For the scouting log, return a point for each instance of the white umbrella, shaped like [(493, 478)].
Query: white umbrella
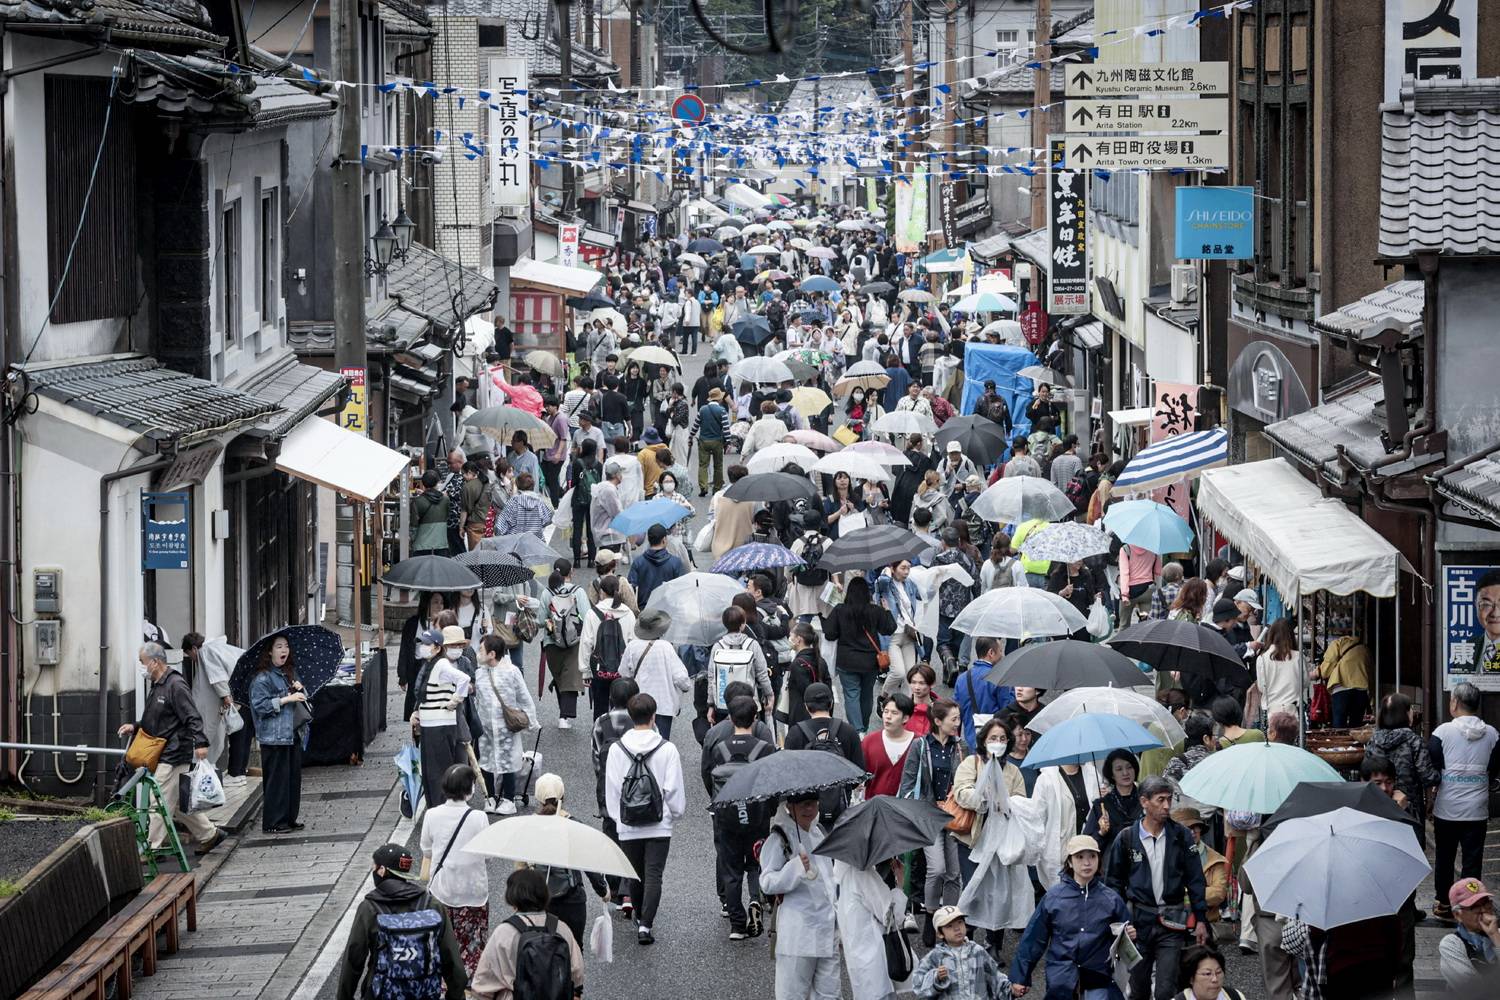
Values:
[(611, 317), (693, 259), (552, 841), (904, 422), (762, 249), (774, 458), (653, 355), (1022, 498), (761, 371), (849, 225), (886, 454), (1016, 613), (823, 253), (800, 242), (1041, 373), (857, 466), (1111, 701), (696, 603), (915, 295), (1009, 330), (1066, 541), (755, 229), (725, 233), (780, 225), (1338, 868)]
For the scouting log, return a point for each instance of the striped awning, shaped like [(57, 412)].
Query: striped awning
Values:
[(1174, 460)]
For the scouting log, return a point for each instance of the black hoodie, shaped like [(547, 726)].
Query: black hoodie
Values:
[(395, 895)]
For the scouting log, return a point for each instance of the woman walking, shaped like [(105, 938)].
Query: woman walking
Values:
[(1407, 752), (279, 703), (854, 625), (898, 594), (806, 670), (459, 880), (408, 661), (526, 893), (568, 901), (928, 775), (1072, 927), (1281, 683), (441, 688), (1120, 806), (498, 685)]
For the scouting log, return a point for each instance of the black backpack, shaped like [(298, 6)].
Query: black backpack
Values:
[(609, 647), (583, 486), (641, 802), (822, 734), (544, 962), (811, 574), (1078, 491), (750, 814)]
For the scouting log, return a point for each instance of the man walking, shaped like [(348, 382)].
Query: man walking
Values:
[(644, 793), (713, 428), (738, 828), (397, 891), (554, 457), (654, 567), (1467, 752), (692, 319), (821, 731)]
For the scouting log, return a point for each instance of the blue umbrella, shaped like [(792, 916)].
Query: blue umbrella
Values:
[(1149, 525), (1088, 737), (705, 245), (409, 766), (636, 518), (756, 555), (316, 655), (819, 283)]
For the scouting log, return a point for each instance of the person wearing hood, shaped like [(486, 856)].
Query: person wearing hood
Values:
[(870, 905), (1466, 752), (1067, 792), (1073, 926), (652, 464), (655, 566), (395, 892)]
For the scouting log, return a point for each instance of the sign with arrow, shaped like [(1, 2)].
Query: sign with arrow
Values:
[(1130, 79), (1149, 114), (1167, 152)]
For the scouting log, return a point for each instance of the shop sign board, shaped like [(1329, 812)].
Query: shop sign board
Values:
[(1215, 223), (510, 134), (1067, 227), (1471, 626)]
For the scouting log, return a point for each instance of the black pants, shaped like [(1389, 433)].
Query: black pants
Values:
[(735, 861), (599, 695), (689, 335), (618, 887), (582, 528), (552, 476), (649, 858), (1455, 835), (504, 784), (281, 786), (1161, 951), (440, 750), (572, 909), (456, 544), (239, 743)]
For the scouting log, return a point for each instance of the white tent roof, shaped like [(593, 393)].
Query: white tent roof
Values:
[(1140, 416), (1300, 540), (322, 452), (746, 196), (575, 280)]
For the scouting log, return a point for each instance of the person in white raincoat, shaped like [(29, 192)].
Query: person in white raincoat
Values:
[(497, 680), (998, 895), (867, 910), (213, 663), (807, 955), (1062, 795)]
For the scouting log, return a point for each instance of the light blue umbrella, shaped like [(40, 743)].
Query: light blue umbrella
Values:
[(1253, 777), (1152, 526), (409, 766), (1089, 737), (636, 518), (984, 302), (756, 555), (819, 283)]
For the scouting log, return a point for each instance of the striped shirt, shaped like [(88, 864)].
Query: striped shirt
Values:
[(524, 512)]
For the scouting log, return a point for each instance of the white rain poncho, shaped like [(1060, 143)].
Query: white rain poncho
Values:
[(999, 895)]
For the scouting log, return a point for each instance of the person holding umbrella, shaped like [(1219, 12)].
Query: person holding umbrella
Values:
[(1073, 925), (806, 936), (275, 693), (1120, 806)]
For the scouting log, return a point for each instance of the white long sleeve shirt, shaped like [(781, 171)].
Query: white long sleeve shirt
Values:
[(665, 764)]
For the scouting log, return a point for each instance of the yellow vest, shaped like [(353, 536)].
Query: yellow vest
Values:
[(1038, 566)]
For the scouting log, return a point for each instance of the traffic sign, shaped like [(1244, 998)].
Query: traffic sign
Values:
[(1129, 79), (689, 108), (1149, 114), (1187, 152)]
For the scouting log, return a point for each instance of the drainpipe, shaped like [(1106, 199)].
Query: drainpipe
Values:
[(101, 770), (1428, 263)]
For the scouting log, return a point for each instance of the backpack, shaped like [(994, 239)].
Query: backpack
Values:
[(544, 962), (565, 617), (1003, 572), (641, 802), (749, 814), (681, 415), (583, 485), (731, 663), (773, 902), (609, 647), (1078, 491), (408, 956), (821, 734), (811, 574)]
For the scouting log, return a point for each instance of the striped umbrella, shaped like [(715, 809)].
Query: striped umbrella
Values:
[(756, 555), (1174, 460)]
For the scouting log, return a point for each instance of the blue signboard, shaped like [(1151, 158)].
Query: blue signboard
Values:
[(165, 538), (1215, 223)]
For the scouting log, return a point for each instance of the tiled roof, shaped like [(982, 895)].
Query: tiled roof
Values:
[(1020, 80), (1440, 169), (1033, 246), (1475, 486), (404, 20), (1313, 436), (389, 328), (298, 389), (1400, 300), (142, 395), (170, 22), (426, 282)]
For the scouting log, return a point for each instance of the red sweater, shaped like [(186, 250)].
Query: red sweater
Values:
[(886, 777), (920, 723)]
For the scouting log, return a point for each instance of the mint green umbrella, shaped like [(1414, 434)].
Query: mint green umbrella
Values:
[(1254, 777)]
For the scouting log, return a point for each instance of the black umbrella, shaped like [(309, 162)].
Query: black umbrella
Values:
[(1314, 798), (869, 548), (979, 437), (772, 486), (789, 774), (431, 573), (530, 549), (881, 828), (316, 655), (753, 330), (1067, 663), (877, 288), (1185, 646), (705, 245), (811, 316), (496, 569), (593, 300)]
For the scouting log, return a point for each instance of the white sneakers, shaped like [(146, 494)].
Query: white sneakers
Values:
[(500, 807), (564, 724), (234, 781)]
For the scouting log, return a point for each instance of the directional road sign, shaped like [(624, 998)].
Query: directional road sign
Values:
[(1189, 152), (1129, 79), (1149, 114)]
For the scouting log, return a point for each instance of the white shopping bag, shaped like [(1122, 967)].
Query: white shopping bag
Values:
[(602, 939), (204, 790), (1098, 624)]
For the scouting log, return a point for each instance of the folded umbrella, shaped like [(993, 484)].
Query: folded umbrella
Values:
[(1018, 613), (1065, 664), (502, 422), (552, 842), (870, 548), (753, 556), (496, 569), (530, 549), (789, 774), (760, 371), (979, 437), (815, 440), (430, 573), (1254, 777), (882, 828), (696, 604), (1314, 798), (1088, 737), (1183, 646), (1023, 498), (643, 514), (1066, 541), (774, 458), (408, 761), (819, 282), (317, 653), (1149, 525), (771, 487), (1122, 701)]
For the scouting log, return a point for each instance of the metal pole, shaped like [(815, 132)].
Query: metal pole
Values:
[(58, 748), (1041, 94), (348, 198), (359, 564), (565, 57)]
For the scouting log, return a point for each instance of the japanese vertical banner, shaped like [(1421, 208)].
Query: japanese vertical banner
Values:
[(1067, 228), (510, 134), (1471, 627), (1174, 412)]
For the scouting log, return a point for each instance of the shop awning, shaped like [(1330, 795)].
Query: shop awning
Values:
[(745, 196), (322, 452), (1301, 541), (641, 206), (1140, 416), (950, 261), (556, 277), (1091, 336)]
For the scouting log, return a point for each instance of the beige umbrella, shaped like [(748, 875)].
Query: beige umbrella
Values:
[(552, 841), (547, 364), (653, 355)]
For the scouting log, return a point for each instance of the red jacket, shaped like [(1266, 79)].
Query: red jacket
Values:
[(885, 776)]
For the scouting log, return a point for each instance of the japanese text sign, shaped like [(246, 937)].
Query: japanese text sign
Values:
[(1067, 225), (1174, 411), (355, 415), (165, 539), (1119, 80), (1471, 626), (510, 134), (1429, 39)]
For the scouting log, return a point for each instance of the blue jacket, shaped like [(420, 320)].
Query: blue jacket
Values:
[(1072, 924), (884, 587), (1126, 871), (712, 420), (975, 694), (896, 388), (273, 723), (650, 570)]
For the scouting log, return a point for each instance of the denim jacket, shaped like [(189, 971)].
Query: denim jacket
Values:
[(885, 593), (273, 723)]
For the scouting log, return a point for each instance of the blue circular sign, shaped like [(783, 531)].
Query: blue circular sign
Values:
[(689, 108)]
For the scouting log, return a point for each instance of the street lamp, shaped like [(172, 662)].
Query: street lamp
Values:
[(384, 244), (405, 230)]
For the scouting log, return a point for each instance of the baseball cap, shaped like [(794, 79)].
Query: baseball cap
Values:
[(549, 786), (1224, 610), (606, 557), (1082, 842), (945, 916), (1250, 597), (1467, 892), (953, 446), (395, 859), (432, 636)]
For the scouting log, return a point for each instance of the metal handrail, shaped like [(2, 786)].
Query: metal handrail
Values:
[(57, 748)]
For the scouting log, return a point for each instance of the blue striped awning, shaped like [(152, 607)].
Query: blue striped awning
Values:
[(1174, 460)]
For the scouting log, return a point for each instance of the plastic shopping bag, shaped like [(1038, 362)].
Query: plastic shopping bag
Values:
[(602, 939), (704, 543), (1098, 624), (233, 720), (204, 791)]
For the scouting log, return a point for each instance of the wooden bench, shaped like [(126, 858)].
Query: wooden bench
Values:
[(108, 953)]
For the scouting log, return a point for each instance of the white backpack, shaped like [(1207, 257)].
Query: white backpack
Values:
[(730, 664)]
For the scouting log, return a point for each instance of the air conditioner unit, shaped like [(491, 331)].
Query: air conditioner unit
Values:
[(1184, 284)]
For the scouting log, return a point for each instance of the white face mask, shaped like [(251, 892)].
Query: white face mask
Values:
[(424, 650), (453, 654), (144, 670), (995, 749), (669, 488)]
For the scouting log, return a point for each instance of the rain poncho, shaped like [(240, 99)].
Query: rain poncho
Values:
[(210, 686), (867, 909), (1062, 820), (999, 894)]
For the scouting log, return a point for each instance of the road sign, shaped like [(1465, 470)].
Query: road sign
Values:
[(1149, 114), (689, 108), (1186, 152), (1129, 79)]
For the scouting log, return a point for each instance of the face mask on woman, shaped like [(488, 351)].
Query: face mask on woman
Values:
[(424, 651), (453, 654), (859, 397), (995, 748), (669, 488)]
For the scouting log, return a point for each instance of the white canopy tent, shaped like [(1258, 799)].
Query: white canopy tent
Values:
[(322, 452)]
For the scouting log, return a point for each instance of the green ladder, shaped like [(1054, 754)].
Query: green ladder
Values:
[(128, 801)]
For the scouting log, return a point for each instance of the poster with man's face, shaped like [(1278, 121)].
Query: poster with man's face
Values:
[(1471, 626)]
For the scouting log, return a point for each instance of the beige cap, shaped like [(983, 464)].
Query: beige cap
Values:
[(454, 636), (606, 557), (1082, 842), (549, 786), (945, 916)]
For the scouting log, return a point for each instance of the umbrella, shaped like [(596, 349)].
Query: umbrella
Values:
[(756, 229), (854, 464), (1066, 664), (653, 355), (1121, 701), (1337, 868), (1254, 777), (547, 364), (810, 401), (726, 233), (502, 422), (800, 242), (738, 222), (496, 569), (772, 274), (819, 283), (705, 245), (1018, 613), (903, 422), (876, 288), (753, 330), (774, 458), (1041, 373), (822, 253), (1173, 460), (815, 440), (811, 316), (789, 774), (761, 371), (1183, 646), (552, 841), (807, 355), (1022, 498), (693, 259), (530, 549), (849, 225), (886, 454), (801, 371), (870, 548), (1149, 525), (639, 516), (1009, 330), (431, 573), (756, 555), (771, 487), (1065, 541), (408, 761), (593, 300), (915, 295), (316, 653), (1088, 737), (780, 224), (612, 317), (696, 604), (861, 375), (984, 302), (763, 249), (979, 437), (881, 828), (1314, 798)]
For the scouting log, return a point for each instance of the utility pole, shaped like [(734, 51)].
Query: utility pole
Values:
[(348, 198), (1042, 94), (950, 129), (565, 45)]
